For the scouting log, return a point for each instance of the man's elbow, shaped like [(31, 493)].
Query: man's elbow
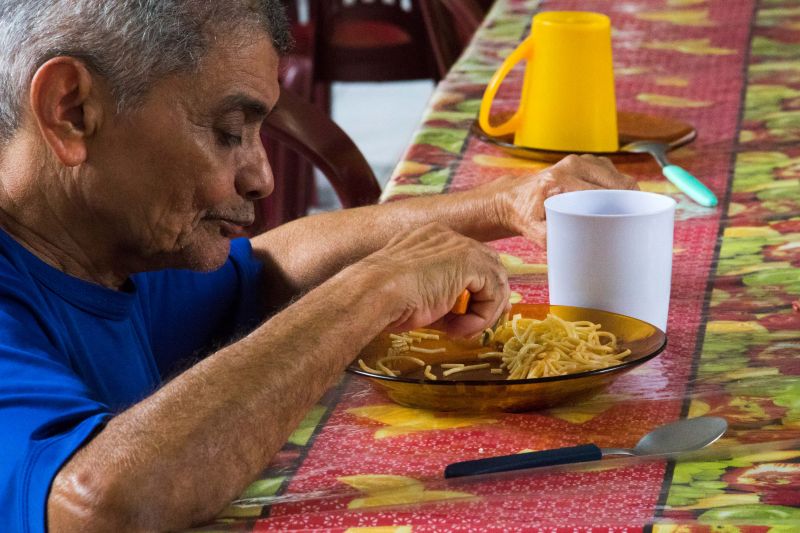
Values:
[(87, 503)]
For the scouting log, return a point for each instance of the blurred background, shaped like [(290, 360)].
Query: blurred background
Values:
[(354, 88), (381, 118)]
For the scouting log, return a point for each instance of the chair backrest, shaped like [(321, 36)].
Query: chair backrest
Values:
[(308, 132), (375, 40)]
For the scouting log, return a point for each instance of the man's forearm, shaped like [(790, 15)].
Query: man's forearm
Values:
[(309, 250), (506, 206), (179, 456)]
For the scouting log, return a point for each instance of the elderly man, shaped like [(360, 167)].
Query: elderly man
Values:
[(144, 382)]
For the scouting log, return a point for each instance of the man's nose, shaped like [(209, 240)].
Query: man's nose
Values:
[(254, 179)]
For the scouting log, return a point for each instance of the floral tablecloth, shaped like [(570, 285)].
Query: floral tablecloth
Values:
[(732, 69)]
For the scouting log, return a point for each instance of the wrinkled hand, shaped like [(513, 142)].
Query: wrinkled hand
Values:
[(427, 268), (520, 200)]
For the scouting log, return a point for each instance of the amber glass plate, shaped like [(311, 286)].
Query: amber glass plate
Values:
[(631, 127), (480, 390)]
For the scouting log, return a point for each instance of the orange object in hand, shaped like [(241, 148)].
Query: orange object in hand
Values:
[(462, 302)]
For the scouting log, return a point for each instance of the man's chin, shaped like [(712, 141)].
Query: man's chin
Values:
[(206, 256)]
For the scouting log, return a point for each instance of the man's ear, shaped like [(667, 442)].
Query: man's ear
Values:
[(64, 102)]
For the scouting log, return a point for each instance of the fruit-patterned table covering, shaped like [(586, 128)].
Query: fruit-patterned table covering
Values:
[(731, 68)]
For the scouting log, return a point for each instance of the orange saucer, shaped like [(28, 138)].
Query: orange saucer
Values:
[(631, 126)]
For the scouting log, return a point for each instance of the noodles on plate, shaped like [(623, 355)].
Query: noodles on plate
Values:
[(530, 348), (524, 348)]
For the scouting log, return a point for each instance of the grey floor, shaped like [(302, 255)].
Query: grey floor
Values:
[(381, 118)]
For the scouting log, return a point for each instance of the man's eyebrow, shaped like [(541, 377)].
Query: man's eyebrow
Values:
[(251, 107)]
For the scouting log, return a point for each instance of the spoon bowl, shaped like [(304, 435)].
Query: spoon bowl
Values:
[(677, 437)]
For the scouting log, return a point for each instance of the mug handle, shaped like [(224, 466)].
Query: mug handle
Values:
[(523, 51)]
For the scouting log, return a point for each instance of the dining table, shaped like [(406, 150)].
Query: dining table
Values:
[(359, 462)]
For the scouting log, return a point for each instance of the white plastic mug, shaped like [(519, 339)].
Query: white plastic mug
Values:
[(611, 250)]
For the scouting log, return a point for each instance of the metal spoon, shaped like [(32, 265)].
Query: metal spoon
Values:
[(681, 436), (684, 181)]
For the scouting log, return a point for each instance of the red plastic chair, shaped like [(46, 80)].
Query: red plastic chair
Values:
[(356, 40), (362, 40), (376, 40), (298, 129)]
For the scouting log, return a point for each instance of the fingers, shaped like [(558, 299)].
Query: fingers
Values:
[(631, 183), (557, 180), (431, 267), (480, 316), (577, 173), (490, 295), (600, 171), (521, 200)]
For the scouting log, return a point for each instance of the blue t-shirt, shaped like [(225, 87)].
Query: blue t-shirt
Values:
[(73, 354)]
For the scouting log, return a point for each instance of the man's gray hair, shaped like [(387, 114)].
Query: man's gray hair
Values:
[(131, 43)]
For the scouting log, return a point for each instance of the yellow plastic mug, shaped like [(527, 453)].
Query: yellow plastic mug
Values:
[(567, 100)]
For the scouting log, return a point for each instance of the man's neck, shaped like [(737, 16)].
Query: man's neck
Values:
[(74, 247)]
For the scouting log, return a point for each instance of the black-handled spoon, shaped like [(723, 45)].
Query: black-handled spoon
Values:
[(681, 436)]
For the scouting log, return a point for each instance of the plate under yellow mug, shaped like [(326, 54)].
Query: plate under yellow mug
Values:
[(632, 127), (480, 390)]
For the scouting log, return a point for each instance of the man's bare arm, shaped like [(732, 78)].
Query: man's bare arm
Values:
[(309, 250), (178, 457), (303, 253)]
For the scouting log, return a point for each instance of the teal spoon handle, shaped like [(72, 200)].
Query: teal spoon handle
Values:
[(693, 187)]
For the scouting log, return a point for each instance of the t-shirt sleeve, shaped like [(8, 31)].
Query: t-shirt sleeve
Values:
[(190, 313), (47, 414)]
